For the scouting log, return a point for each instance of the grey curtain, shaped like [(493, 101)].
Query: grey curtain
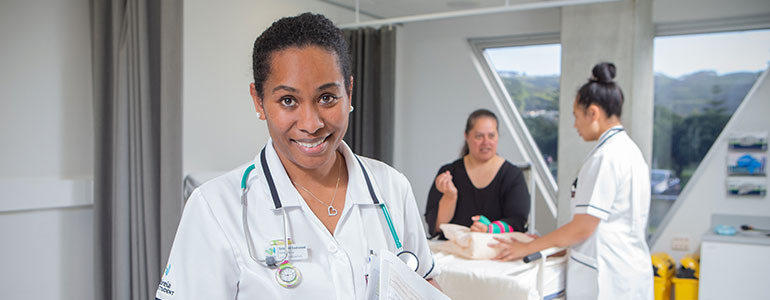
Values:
[(373, 52), (136, 57)]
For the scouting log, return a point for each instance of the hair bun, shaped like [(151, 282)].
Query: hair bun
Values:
[(603, 72)]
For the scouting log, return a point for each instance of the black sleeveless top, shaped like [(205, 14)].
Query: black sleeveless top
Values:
[(505, 198)]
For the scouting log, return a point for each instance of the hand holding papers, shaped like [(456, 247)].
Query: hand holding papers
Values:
[(391, 279)]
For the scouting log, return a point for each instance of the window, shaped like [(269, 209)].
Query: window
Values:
[(530, 75), (700, 80)]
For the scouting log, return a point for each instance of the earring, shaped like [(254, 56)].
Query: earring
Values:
[(258, 115), (351, 108)]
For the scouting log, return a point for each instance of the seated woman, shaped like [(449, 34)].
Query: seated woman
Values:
[(480, 183)]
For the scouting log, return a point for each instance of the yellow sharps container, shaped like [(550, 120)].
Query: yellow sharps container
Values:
[(686, 279), (663, 269)]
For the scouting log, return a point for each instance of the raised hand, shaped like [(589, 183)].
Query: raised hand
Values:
[(445, 185)]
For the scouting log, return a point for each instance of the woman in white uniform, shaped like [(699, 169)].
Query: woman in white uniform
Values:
[(305, 188), (609, 256)]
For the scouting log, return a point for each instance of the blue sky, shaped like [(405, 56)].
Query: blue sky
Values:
[(674, 55), (723, 52), (534, 60)]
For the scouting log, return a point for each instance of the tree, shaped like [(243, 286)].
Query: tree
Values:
[(693, 137), (665, 123), (716, 105), (545, 132)]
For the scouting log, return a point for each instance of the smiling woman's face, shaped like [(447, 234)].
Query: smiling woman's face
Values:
[(305, 105)]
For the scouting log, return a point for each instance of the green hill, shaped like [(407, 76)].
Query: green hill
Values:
[(531, 93), (690, 111), (695, 92)]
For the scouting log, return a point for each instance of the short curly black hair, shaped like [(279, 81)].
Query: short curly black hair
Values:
[(303, 30)]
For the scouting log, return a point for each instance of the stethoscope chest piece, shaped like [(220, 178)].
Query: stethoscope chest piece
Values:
[(288, 275), (410, 259)]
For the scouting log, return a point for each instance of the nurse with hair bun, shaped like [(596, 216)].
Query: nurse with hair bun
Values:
[(610, 200)]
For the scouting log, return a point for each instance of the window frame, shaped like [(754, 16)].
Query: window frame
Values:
[(760, 22), (544, 180), (725, 25)]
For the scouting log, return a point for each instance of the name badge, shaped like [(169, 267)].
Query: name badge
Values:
[(278, 251)]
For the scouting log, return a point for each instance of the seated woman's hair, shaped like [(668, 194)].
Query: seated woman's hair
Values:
[(475, 115), (602, 90), (299, 31)]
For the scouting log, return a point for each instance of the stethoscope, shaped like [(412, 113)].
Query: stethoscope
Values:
[(286, 273), (609, 134)]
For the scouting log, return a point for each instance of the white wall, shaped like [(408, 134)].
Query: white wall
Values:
[(622, 33), (46, 131), (47, 254), (45, 87), (706, 192), (221, 130)]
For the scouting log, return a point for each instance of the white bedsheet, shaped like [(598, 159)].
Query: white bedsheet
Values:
[(486, 279), (474, 245)]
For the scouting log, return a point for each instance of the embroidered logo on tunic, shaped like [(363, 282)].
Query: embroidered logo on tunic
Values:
[(165, 284)]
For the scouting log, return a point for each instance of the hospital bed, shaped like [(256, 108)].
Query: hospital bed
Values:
[(461, 278), (537, 276)]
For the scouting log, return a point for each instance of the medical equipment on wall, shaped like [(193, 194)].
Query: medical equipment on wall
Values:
[(748, 141), (747, 186), (746, 163), (287, 274)]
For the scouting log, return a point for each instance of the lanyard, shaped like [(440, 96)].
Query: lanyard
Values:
[(603, 139)]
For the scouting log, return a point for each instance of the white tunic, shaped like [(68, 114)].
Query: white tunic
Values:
[(210, 259), (614, 186)]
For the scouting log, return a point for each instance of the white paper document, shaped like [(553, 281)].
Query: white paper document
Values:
[(391, 279)]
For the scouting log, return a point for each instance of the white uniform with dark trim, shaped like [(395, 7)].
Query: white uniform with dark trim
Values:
[(210, 260), (614, 186)]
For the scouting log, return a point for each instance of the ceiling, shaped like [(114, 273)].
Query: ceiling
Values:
[(381, 9)]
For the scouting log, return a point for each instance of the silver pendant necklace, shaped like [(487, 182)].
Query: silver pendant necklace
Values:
[(329, 207)]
